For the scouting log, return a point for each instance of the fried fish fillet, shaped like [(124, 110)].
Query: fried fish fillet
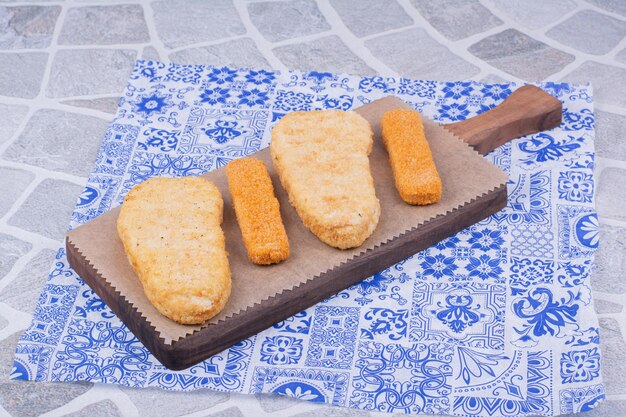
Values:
[(172, 235), (322, 161), (258, 211), (414, 170)]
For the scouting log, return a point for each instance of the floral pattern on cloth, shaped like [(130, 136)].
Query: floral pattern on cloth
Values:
[(497, 320)]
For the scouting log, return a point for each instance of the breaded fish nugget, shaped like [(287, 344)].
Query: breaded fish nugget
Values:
[(258, 211), (172, 235), (412, 162), (322, 160)]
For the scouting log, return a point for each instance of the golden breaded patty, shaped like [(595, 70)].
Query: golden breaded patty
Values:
[(172, 235), (322, 161), (258, 211), (414, 170)]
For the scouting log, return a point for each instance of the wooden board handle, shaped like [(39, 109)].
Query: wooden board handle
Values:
[(527, 110)]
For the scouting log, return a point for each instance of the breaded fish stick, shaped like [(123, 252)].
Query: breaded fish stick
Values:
[(412, 162), (258, 211)]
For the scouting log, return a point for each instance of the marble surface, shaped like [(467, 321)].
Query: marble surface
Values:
[(53, 116)]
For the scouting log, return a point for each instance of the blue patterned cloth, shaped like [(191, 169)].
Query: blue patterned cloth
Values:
[(496, 320)]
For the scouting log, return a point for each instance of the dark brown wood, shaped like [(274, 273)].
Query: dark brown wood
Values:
[(200, 345), (527, 110)]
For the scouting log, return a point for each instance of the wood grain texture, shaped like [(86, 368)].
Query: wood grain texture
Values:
[(527, 110), (215, 337)]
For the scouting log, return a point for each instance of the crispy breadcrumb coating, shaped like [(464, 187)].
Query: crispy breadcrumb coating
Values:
[(172, 235), (258, 211), (412, 162)]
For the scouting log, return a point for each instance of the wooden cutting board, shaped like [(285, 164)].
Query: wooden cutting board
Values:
[(473, 189)]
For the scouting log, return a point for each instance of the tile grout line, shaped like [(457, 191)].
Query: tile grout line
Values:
[(197, 45), (605, 162), (18, 130), (37, 170), (600, 10), (538, 35), (21, 198), (304, 38), (611, 108), (56, 104), (230, 404), (19, 264), (3, 412), (614, 298), (31, 237), (459, 47), (80, 47), (97, 393), (352, 42), (153, 34), (18, 320), (262, 44)]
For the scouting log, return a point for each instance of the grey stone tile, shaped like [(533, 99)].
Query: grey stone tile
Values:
[(203, 21), (413, 53), (589, 31), (28, 399), (237, 53), (324, 54), (534, 14), (493, 79), (457, 19), (367, 17), (12, 183), (104, 104), (610, 273), (613, 355), (11, 249), (280, 20), (229, 412), (21, 73), (603, 307), (104, 25), (607, 80), (614, 6), (610, 130), (154, 402), (80, 72), (607, 408), (59, 141), (27, 26), (106, 408), (23, 291), (150, 53), (7, 352), (3, 323), (512, 51), (47, 210), (610, 193), (272, 403), (12, 116), (332, 411), (621, 56)]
